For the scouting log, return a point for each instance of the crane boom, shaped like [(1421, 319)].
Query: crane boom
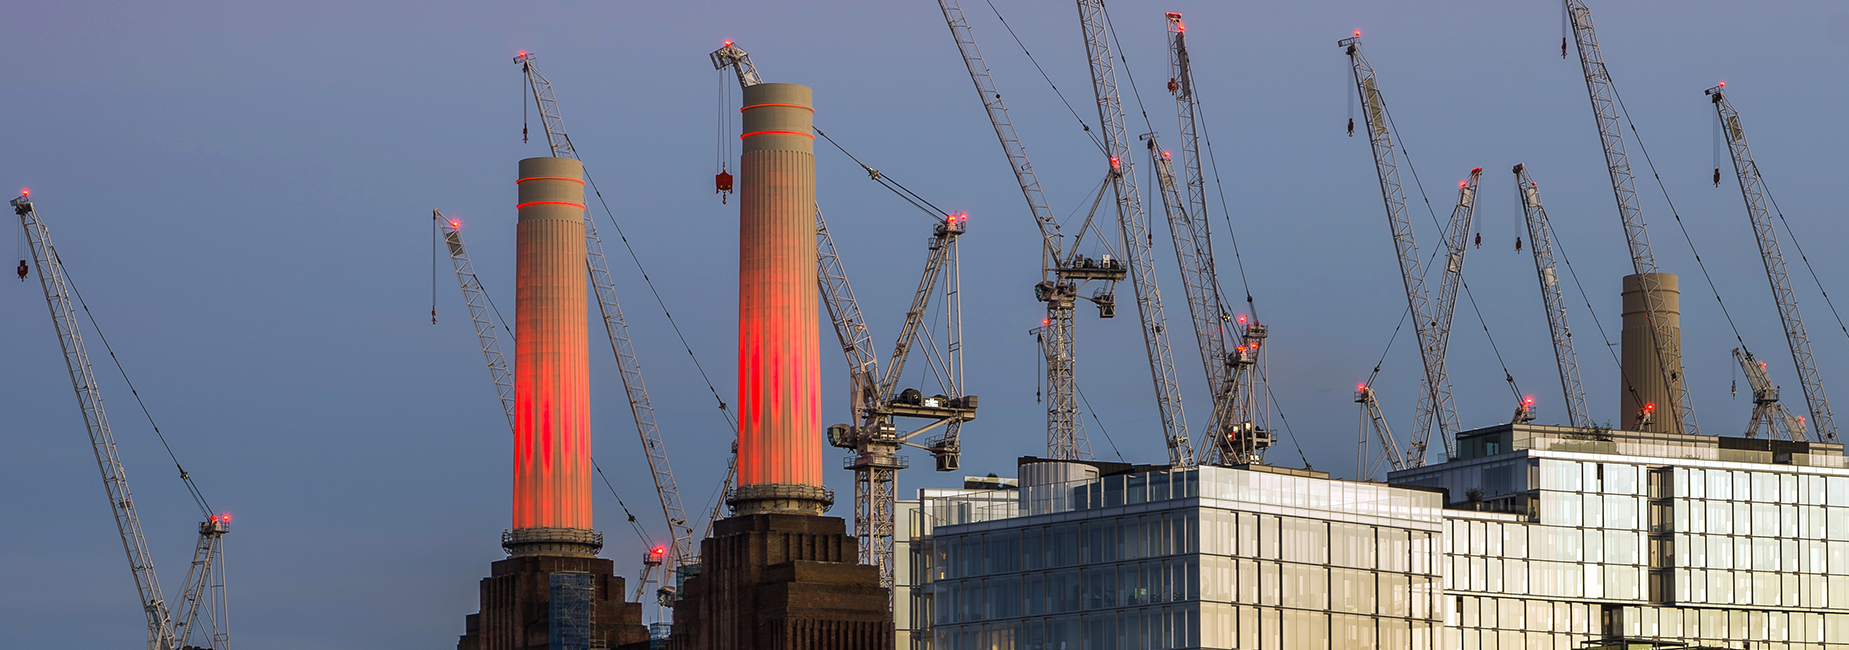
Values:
[(1752, 188), (1373, 421), (1435, 405), (1541, 241), (57, 289), (618, 332), (1134, 228), (1617, 163)]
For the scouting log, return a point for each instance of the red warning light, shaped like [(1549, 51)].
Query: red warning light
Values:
[(1649, 407), (226, 517), (1360, 386), (25, 192), (1461, 184), (455, 224), (1357, 33), (1045, 322), (728, 42), (1113, 162), (522, 52), (1723, 84)]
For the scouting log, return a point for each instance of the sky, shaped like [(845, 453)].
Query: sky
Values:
[(241, 192)]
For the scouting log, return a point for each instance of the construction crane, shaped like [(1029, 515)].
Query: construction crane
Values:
[(1779, 423), (874, 399), (1431, 321), (205, 580), (1064, 271), (1134, 228), (1233, 435), (682, 557), (1230, 439), (1617, 163), (1541, 242), (1752, 188), (1367, 465), (876, 439)]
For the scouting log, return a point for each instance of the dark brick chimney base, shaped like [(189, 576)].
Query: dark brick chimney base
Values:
[(782, 582), (515, 604)]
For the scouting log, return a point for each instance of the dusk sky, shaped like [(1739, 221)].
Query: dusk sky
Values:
[(242, 194)]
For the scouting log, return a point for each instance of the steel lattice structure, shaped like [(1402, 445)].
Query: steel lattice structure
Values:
[(1541, 242), (1134, 229), (1617, 163), (1432, 323), (1779, 423), (205, 579), (1235, 433), (1063, 270), (1367, 465), (1752, 188)]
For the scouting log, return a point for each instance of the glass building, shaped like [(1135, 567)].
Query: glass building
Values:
[(1123, 557), (1558, 535), (1533, 537)]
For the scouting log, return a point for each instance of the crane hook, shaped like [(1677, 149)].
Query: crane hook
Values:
[(1351, 127), (23, 270)]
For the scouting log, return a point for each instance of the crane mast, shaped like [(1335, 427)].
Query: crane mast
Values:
[(1062, 273), (1779, 423), (1752, 188), (682, 554), (1541, 241), (1435, 404), (205, 579), (1618, 165), (1233, 435), (1134, 228)]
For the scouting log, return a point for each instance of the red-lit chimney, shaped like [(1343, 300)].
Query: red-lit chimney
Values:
[(779, 399), (552, 431)]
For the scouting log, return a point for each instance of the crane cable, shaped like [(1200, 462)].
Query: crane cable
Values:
[(1672, 212), (1506, 375), (187, 478), (903, 192), (1800, 247), (1049, 80)]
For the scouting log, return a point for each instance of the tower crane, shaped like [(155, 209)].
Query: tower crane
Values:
[(1230, 439), (1431, 321), (875, 399), (1234, 435), (1541, 241), (1780, 424), (1752, 188), (1064, 271), (1617, 163), (205, 580), (682, 558), (1134, 229)]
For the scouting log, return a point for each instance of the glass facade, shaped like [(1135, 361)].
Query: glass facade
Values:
[(1206, 558), (1549, 538), (1578, 534)]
